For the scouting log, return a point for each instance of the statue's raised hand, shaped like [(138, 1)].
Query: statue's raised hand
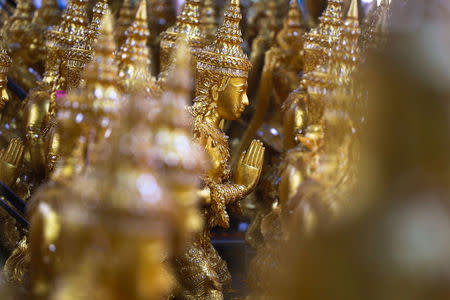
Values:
[(249, 166), (10, 160)]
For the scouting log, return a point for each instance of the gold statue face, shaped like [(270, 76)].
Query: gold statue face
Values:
[(232, 100)]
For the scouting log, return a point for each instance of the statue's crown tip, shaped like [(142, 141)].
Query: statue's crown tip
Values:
[(294, 4), (107, 26), (353, 10), (235, 2), (142, 10)]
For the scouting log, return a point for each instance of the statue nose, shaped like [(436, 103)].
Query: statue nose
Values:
[(245, 100)]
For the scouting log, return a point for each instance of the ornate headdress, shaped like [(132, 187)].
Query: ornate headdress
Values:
[(293, 26), (134, 54), (97, 16), (319, 41), (99, 96), (188, 24), (73, 28), (101, 74), (345, 54), (225, 55), (71, 31), (127, 14), (76, 58)]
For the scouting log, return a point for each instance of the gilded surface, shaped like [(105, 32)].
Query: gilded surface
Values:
[(125, 174)]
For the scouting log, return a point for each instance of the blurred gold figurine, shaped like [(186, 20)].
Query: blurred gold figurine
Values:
[(137, 204), (85, 119), (317, 173), (280, 76), (220, 95)]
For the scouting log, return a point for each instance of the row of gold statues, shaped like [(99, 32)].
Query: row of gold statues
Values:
[(125, 155)]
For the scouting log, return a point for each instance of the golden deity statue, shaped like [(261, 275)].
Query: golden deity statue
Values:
[(280, 76), (18, 39), (221, 83), (265, 38), (188, 23), (316, 172), (68, 51), (5, 64), (127, 13), (328, 142), (12, 235), (304, 106), (116, 230), (320, 40), (85, 118), (11, 154), (134, 55)]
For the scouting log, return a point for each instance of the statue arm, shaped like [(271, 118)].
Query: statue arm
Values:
[(218, 195)]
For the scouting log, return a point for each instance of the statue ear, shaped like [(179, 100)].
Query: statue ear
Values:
[(215, 92)]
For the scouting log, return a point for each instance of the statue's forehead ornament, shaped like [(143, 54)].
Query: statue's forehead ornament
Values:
[(225, 55)]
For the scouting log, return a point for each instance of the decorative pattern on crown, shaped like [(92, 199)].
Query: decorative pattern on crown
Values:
[(188, 24), (225, 55)]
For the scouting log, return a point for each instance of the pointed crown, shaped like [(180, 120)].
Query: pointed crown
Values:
[(332, 13), (101, 73), (188, 23), (294, 18), (225, 55), (331, 21), (103, 67), (134, 50), (98, 96), (126, 17), (347, 48), (98, 13), (293, 25), (73, 26)]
